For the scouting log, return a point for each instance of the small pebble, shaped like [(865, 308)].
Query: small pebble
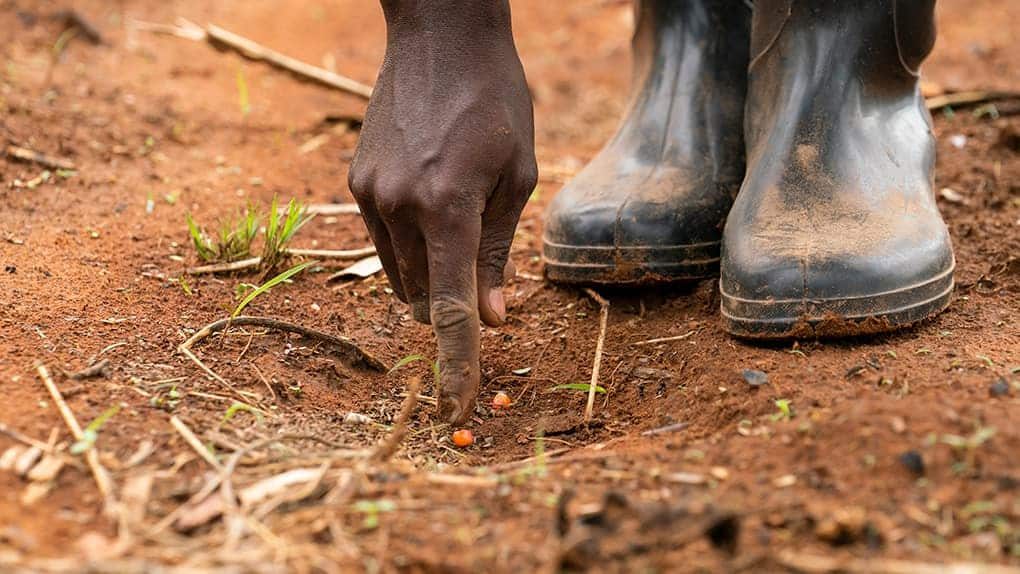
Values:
[(999, 388), (755, 378), (357, 419), (913, 462)]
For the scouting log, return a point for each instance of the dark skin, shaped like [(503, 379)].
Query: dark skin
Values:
[(445, 164)]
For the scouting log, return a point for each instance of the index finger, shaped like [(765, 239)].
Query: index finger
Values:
[(452, 242)]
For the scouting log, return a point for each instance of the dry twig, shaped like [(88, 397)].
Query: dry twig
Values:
[(20, 437), (25, 154), (252, 262), (97, 369), (663, 339), (391, 443), (603, 321), (254, 51), (828, 564), (349, 347), (194, 443), (99, 473), (218, 37), (332, 209)]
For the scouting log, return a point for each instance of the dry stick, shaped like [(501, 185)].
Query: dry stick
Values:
[(99, 473), (391, 443), (663, 339), (244, 320), (331, 209), (967, 98), (252, 262), (194, 443), (20, 437), (25, 154), (827, 564), (603, 321), (255, 51)]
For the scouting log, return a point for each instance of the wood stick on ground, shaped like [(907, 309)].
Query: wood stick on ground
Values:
[(20, 437), (967, 98), (663, 339), (184, 29), (828, 564), (194, 443), (391, 443), (253, 262), (597, 365), (330, 209), (254, 51), (342, 343), (99, 473), (25, 154)]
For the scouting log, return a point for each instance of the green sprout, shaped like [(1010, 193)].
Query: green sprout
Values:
[(280, 229), (372, 509), (785, 411), (234, 239), (269, 285), (242, 93), (238, 407), (578, 387), (91, 432)]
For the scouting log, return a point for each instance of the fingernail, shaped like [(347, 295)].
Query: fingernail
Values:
[(497, 304)]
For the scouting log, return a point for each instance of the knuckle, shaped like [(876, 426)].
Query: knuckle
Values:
[(449, 315), (528, 177)]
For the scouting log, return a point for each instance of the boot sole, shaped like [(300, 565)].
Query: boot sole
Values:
[(632, 265), (824, 318)]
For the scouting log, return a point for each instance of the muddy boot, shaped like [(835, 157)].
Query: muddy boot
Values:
[(651, 206), (836, 231)]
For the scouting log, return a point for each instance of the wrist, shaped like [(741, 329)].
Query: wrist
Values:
[(464, 22)]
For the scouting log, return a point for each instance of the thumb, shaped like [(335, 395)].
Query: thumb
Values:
[(499, 222)]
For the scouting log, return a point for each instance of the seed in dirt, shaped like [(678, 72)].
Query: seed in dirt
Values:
[(913, 461), (463, 438), (501, 401)]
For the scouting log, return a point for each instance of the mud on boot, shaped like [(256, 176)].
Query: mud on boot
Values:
[(651, 206), (836, 230)]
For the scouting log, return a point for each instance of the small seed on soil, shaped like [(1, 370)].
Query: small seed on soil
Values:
[(463, 438), (755, 378), (501, 401), (785, 481), (999, 388), (913, 461), (899, 426)]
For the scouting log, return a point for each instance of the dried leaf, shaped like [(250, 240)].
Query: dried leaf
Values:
[(365, 268)]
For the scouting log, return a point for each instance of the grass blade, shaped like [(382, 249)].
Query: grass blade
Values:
[(270, 284)]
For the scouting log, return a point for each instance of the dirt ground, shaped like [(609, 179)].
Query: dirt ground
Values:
[(899, 447)]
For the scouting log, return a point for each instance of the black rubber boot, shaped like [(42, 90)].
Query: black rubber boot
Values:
[(835, 231), (651, 206)]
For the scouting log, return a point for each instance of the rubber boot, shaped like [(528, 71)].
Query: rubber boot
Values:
[(836, 231), (651, 206)]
